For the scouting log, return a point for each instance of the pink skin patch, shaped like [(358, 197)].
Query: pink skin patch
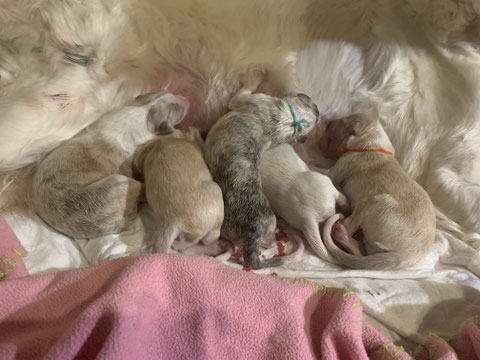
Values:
[(280, 249), (183, 101), (191, 88), (329, 143), (184, 85), (340, 236), (279, 242), (280, 235), (238, 253)]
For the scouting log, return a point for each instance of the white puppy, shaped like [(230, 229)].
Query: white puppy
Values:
[(187, 203), (303, 198)]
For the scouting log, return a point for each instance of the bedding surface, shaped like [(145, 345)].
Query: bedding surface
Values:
[(436, 296)]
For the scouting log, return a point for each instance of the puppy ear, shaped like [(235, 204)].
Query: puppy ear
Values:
[(156, 123), (163, 129), (305, 99)]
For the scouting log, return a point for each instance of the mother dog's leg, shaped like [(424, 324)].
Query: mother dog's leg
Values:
[(453, 180)]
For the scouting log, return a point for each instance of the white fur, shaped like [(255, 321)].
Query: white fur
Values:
[(417, 61), (303, 198)]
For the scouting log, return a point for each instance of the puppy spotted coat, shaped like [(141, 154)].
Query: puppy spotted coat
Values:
[(233, 150)]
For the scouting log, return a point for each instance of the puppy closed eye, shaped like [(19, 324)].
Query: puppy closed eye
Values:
[(163, 129), (357, 128)]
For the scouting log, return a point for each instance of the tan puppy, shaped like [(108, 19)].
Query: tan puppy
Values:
[(187, 203), (394, 213)]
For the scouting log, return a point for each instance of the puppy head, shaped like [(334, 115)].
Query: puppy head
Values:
[(165, 111), (355, 131), (307, 116)]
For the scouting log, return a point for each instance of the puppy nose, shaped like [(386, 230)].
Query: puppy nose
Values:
[(302, 138)]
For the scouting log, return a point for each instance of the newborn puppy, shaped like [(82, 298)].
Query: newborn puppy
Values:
[(187, 204), (83, 187), (394, 213), (233, 149), (303, 198)]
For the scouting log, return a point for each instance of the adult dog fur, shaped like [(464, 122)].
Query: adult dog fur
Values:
[(64, 62)]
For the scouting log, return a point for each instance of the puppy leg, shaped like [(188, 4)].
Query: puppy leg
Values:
[(311, 231), (244, 95), (211, 237), (134, 192), (116, 200), (164, 238), (213, 249), (193, 135), (252, 80)]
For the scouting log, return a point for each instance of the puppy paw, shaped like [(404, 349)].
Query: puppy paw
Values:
[(349, 244), (252, 80), (269, 242), (115, 256), (339, 233), (218, 247), (193, 134)]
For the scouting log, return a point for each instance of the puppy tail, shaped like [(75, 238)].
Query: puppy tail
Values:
[(296, 255), (251, 250), (314, 239), (392, 260)]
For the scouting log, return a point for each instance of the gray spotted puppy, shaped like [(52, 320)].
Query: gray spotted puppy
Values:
[(233, 150)]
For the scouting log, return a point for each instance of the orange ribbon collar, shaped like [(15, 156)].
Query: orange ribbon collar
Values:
[(343, 150)]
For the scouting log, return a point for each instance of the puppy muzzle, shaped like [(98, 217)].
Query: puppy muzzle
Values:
[(301, 138)]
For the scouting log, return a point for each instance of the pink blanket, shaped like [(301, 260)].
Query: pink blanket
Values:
[(11, 254), (178, 307)]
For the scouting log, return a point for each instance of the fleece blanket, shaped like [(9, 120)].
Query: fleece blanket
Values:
[(11, 253), (179, 307), (434, 298)]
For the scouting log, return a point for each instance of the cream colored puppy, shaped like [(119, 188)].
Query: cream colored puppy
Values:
[(303, 198), (187, 203), (394, 213)]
